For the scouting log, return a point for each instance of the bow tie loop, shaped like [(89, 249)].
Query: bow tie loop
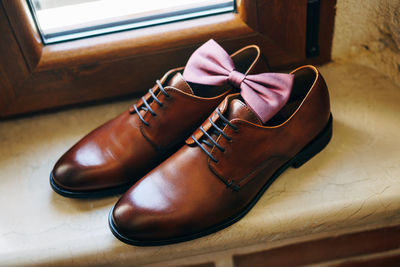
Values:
[(236, 78)]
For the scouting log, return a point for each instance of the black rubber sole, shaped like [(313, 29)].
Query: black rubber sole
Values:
[(88, 194), (310, 150)]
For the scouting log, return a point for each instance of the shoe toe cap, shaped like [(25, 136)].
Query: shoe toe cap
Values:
[(73, 173), (67, 175), (143, 214)]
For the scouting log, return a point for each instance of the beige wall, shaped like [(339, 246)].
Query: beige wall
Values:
[(367, 32)]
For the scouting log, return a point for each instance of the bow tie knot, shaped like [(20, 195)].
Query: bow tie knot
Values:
[(236, 78), (264, 93)]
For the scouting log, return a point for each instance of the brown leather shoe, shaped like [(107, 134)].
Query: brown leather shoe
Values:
[(207, 186), (114, 156)]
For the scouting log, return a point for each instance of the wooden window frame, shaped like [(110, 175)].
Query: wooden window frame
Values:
[(34, 76)]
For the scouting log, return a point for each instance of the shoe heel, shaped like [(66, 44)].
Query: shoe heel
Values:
[(315, 146)]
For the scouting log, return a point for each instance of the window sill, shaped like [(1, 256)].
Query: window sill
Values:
[(335, 191)]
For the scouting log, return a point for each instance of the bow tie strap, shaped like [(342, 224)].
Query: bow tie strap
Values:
[(264, 93)]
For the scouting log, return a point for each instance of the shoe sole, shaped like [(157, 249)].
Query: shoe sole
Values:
[(310, 150), (87, 194)]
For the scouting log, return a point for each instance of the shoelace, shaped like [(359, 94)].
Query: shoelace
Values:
[(217, 130), (146, 106)]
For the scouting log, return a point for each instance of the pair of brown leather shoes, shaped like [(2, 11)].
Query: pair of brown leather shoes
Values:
[(180, 191)]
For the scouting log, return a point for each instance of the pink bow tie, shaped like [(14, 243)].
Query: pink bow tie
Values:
[(264, 93)]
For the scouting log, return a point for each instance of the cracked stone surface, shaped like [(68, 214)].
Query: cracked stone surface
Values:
[(354, 182)]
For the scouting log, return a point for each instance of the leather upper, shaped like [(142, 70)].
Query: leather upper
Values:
[(190, 193), (124, 149)]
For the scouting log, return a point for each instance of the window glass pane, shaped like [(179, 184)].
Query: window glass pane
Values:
[(60, 20)]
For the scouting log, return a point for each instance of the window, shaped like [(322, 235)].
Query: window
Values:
[(37, 75), (61, 20)]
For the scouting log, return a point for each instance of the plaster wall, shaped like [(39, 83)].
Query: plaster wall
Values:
[(367, 32)]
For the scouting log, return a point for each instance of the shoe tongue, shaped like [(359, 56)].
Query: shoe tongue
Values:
[(178, 82), (239, 110)]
